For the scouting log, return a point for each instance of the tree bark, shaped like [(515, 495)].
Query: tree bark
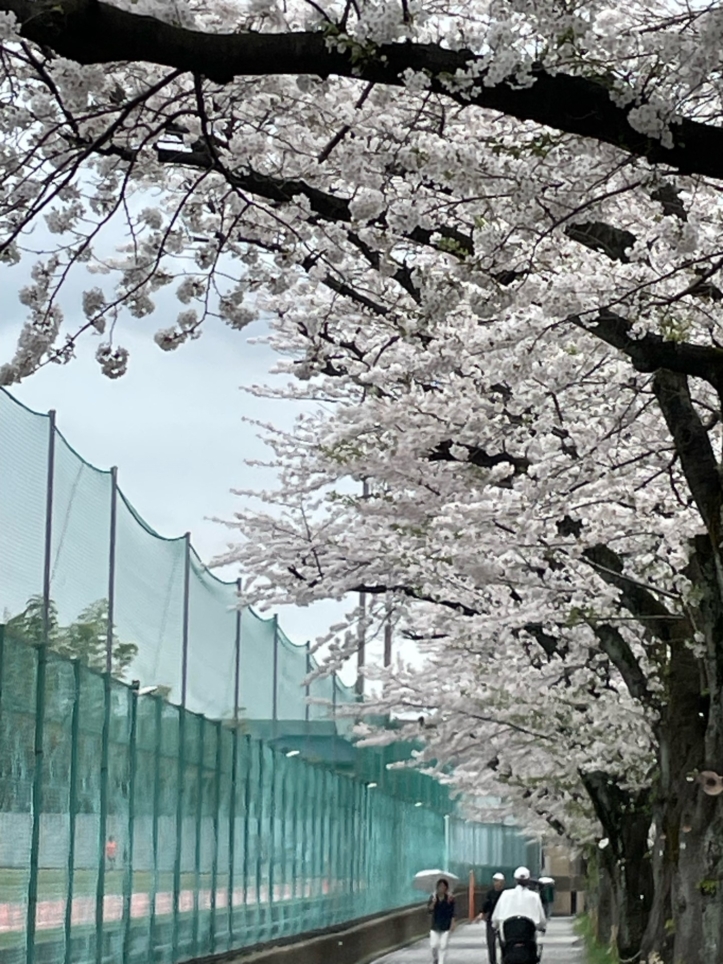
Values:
[(698, 881), (626, 862)]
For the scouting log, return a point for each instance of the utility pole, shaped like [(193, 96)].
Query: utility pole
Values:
[(388, 633), (361, 636)]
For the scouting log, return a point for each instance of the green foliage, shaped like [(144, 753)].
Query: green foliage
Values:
[(595, 953), (708, 888), (84, 639)]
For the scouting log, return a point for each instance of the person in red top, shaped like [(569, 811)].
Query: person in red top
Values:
[(111, 852)]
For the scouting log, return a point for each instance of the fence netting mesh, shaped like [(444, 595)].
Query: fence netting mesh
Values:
[(97, 554), (134, 828)]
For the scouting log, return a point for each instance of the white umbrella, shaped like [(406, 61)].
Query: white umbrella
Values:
[(426, 880)]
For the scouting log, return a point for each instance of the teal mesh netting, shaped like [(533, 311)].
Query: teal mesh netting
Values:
[(99, 557)]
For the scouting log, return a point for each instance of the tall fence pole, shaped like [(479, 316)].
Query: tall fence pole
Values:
[(155, 835), (237, 651), (186, 613), (362, 630), (180, 795), (234, 777), (217, 725), (275, 703), (111, 569), (132, 779), (72, 808), (333, 716), (41, 672), (105, 733), (307, 688)]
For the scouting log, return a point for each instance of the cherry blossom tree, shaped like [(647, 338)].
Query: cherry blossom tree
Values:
[(562, 747), (489, 234)]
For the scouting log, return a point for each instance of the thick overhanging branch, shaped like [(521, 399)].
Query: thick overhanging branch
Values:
[(640, 602), (692, 444), (620, 654), (614, 806), (93, 32), (652, 352)]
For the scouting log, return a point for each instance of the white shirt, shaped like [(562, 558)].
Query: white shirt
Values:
[(520, 902)]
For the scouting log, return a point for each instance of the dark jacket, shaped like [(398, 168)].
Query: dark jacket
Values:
[(442, 912), (490, 902)]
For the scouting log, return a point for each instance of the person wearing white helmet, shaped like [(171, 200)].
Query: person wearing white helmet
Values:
[(520, 902)]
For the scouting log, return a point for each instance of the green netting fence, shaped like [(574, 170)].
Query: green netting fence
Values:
[(71, 538), (133, 831)]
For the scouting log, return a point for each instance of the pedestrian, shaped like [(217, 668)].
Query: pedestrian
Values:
[(520, 902), (441, 907), (111, 852), (547, 894), (488, 906)]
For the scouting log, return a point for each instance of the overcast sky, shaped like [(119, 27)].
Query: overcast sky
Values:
[(173, 426)]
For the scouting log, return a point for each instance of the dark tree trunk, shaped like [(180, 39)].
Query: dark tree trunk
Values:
[(600, 899), (625, 862), (686, 923)]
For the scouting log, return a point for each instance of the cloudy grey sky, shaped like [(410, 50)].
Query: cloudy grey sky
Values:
[(173, 426)]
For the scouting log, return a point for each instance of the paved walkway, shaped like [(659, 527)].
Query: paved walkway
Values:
[(468, 946)]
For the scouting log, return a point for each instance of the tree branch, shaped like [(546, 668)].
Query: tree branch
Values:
[(639, 601), (692, 445), (93, 32), (651, 352), (623, 659)]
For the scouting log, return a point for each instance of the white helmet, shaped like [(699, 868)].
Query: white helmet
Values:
[(522, 873)]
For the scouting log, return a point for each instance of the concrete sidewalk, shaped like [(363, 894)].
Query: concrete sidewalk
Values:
[(468, 946)]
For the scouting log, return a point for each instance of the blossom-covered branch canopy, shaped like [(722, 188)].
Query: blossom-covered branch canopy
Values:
[(96, 32)]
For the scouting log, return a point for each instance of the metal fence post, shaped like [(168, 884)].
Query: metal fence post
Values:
[(132, 774), (275, 703), (234, 777), (40, 679), (307, 688), (72, 807), (216, 826), (103, 820), (261, 837), (105, 733), (201, 753), (186, 613), (232, 836), (362, 630), (237, 666), (157, 757), (333, 716), (180, 796), (111, 570), (248, 754), (271, 837)]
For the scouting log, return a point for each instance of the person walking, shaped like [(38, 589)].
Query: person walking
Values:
[(520, 902), (441, 907), (111, 852), (488, 907)]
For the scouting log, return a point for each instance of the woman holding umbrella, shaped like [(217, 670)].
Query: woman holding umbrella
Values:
[(441, 907)]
